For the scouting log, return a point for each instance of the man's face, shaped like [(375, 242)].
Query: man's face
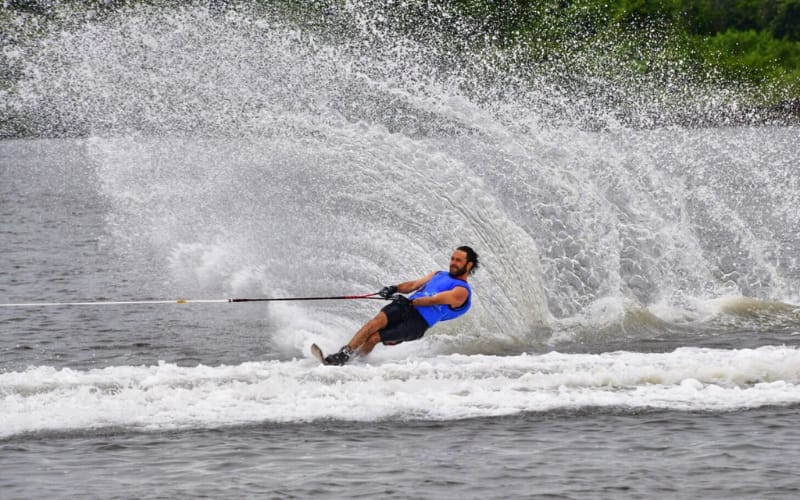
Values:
[(459, 264)]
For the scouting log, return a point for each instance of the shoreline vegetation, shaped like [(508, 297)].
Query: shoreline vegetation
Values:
[(737, 61), (751, 45)]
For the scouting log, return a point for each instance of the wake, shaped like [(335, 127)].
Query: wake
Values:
[(447, 387)]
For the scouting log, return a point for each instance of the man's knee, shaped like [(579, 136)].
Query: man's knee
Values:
[(379, 322)]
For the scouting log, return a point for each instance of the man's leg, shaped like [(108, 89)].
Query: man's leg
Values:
[(366, 347), (366, 332), (362, 341)]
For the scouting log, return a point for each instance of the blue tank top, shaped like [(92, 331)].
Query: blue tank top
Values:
[(441, 282)]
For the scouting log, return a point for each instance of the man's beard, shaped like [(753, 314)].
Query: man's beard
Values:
[(455, 271)]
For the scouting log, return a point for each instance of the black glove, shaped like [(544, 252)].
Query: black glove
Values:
[(401, 300), (387, 291)]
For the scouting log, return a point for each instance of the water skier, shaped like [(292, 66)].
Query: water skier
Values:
[(439, 296)]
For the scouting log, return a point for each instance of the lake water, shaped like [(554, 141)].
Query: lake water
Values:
[(635, 325), (221, 400)]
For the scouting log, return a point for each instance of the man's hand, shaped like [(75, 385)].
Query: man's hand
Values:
[(401, 300), (387, 291)]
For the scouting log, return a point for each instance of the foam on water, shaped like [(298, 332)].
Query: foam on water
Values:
[(166, 396)]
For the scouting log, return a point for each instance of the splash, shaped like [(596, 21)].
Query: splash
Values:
[(251, 151)]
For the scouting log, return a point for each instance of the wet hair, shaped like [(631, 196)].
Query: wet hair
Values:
[(472, 256)]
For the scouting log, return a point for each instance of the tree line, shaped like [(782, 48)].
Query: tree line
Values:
[(755, 41)]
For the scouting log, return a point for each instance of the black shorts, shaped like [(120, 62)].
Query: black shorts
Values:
[(405, 323)]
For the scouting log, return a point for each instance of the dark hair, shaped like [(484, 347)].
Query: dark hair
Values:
[(472, 256)]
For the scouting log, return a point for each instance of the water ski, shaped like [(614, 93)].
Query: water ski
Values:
[(317, 353)]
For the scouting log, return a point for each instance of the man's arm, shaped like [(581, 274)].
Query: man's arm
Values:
[(453, 298), (414, 285)]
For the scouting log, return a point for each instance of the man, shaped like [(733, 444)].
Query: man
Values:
[(439, 296)]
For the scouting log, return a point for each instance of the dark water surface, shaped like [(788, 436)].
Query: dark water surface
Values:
[(741, 454)]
